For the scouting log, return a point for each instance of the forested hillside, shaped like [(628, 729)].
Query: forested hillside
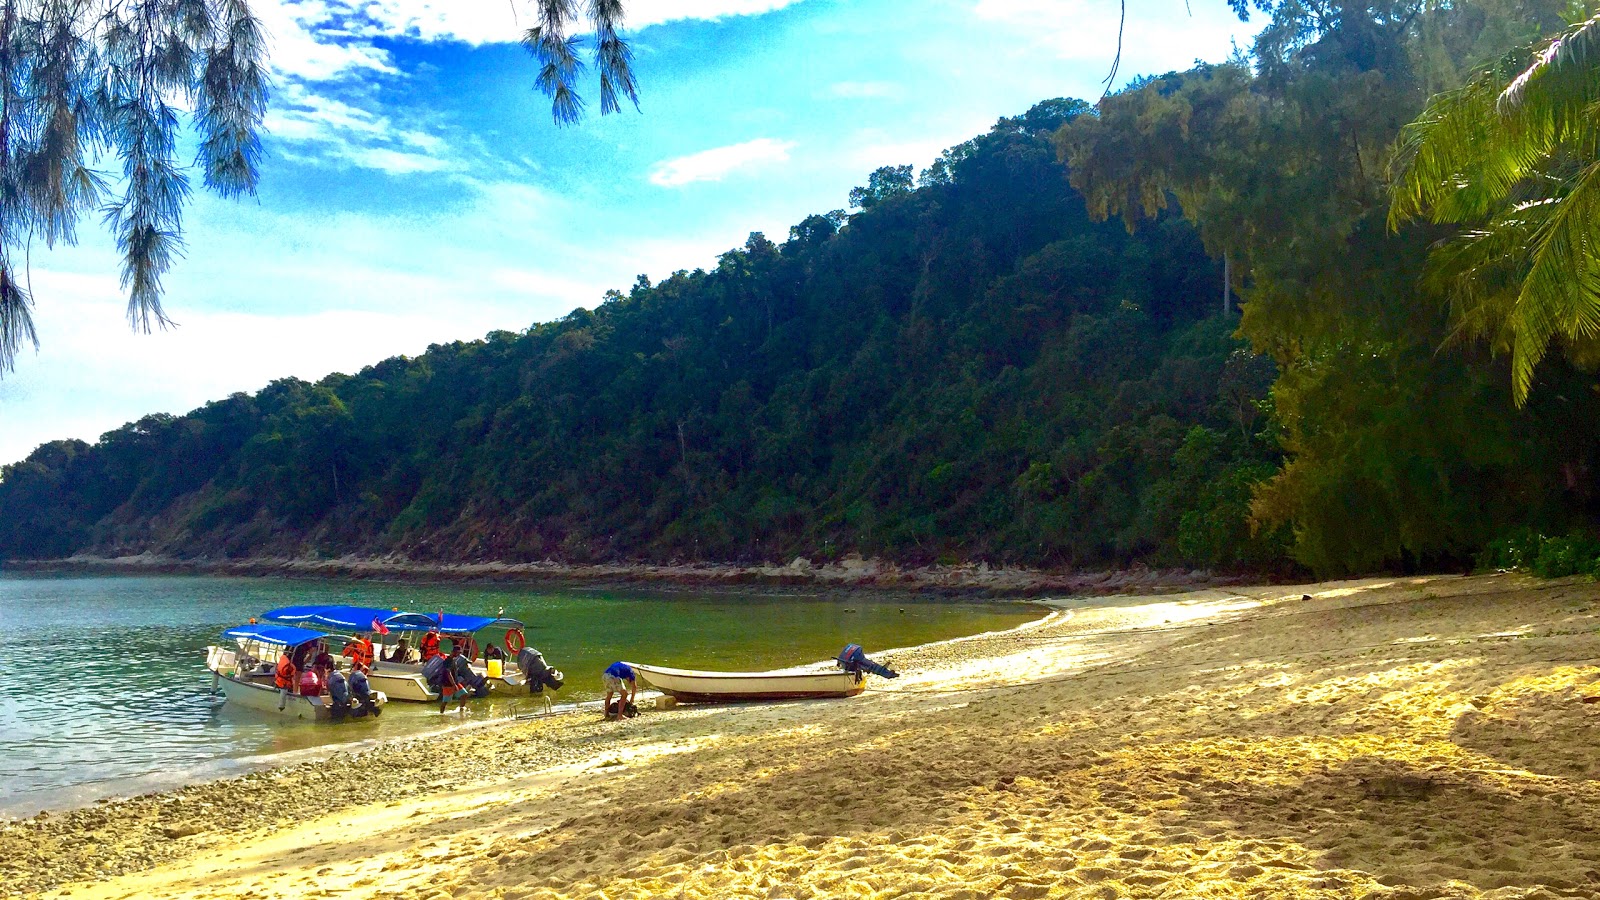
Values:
[(970, 369)]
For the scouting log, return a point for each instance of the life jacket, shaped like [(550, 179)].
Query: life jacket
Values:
[(359, 651), (284, 677), (429, 645), (310, 684)]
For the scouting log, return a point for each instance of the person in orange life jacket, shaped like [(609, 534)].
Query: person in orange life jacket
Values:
[(285, 677), (359, 649), (429, 645)]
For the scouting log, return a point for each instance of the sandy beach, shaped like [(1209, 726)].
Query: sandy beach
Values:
[(1401, 739)]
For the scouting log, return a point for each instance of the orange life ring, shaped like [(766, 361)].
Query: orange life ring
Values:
[(515, 634)]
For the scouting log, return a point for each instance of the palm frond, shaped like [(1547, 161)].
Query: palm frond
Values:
[(1560, 297), (613, 57), (557, 54), (16, 317)]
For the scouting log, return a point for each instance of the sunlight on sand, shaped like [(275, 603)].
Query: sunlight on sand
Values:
[(1269, 747)]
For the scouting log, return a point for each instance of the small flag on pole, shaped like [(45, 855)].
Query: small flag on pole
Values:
[(378, 626)]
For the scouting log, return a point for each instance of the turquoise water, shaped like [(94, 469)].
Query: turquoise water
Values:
[(103, 688)]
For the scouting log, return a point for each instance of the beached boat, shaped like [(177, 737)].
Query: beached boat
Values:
[(244, 675), (402, 678), (694, 686)]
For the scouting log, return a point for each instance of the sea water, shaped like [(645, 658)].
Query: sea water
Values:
[(104, 691)]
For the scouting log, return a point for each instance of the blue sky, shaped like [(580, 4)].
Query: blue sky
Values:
[(416, 191)]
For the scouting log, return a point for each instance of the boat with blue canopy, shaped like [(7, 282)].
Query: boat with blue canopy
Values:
[(397, 666), (244, 673)]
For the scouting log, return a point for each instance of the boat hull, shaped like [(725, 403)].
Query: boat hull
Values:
[(401, 683), (258, 694), (694, 686)]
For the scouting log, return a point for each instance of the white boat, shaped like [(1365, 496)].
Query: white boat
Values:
[(695, 686), (245, 675)]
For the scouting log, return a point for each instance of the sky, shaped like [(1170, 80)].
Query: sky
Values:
[(415, 189)]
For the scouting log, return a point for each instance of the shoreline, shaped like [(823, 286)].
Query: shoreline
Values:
[(232, 768), (1390, 738), (963, 582)]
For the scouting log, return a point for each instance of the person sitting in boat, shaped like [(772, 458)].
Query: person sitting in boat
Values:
[(536, 673), (493, 651), (854, 660), (323, 660), (400, 653), (361, 696), (285, 677), (624, 682), (429, 645), (359, 649)]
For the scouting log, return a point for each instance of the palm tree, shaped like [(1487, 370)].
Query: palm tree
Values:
[(1514, 156)]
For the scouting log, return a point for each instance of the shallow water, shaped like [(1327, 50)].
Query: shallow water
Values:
[(103, 688)]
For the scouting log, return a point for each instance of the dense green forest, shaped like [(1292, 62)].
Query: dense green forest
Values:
[(968, 369), (1021, 355)]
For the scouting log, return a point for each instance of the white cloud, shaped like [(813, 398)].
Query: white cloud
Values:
[(643, 13), (718, 162), (323, 39), (1156, 33), (394, 162), (352, 135)]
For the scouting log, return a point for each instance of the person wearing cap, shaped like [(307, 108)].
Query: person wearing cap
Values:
[(621, 680)]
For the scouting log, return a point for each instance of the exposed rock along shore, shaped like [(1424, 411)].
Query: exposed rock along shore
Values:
[(852, 572)]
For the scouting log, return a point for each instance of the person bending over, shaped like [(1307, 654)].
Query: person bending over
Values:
[(624, 682)]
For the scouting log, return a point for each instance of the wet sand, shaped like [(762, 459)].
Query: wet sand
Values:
[(1395, 739)]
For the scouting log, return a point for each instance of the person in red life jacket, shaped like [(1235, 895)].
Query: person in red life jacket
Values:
[(285, 677), (359, 649), (429, 645), (310, 683)]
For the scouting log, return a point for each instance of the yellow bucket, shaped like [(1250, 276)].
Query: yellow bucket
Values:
[(495, 670)]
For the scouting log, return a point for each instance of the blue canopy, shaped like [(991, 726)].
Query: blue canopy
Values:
[(360, 618), (281, 635)]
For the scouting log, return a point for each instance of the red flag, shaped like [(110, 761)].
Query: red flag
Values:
[(379, 627)]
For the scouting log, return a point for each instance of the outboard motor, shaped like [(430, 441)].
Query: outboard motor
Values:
[(462, 670), (433, 670), (537, 673), (854, 660)]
